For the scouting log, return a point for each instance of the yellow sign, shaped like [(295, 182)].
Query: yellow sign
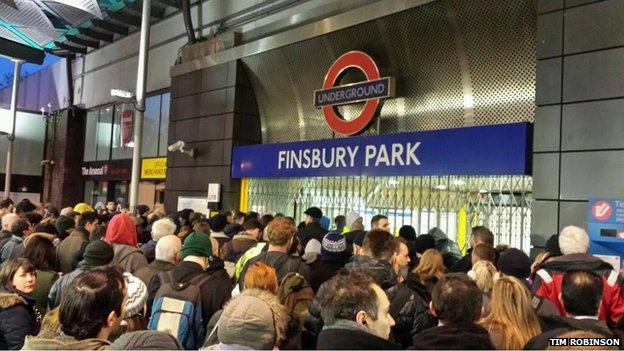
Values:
[(154, 168)]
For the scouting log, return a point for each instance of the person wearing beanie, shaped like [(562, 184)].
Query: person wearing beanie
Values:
[(335, 253), (159, 229), (253, 320), (552, 245), (574, 244), (135, 305), (354, 222), (313, 229), (197, 260), (217, 225), (121, 233), (97, 253), (146, 340)]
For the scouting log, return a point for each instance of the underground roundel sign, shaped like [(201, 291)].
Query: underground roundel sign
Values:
[(370, 91), (602, 210)]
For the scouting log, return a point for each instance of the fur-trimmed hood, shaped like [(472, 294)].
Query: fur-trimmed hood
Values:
[(255, 318), (8, 300), (50, 237)]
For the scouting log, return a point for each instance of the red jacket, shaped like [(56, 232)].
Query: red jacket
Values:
[(549, 278)]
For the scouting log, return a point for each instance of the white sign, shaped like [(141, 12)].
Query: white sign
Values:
[(197, 204), (214, 192), (611, 259)]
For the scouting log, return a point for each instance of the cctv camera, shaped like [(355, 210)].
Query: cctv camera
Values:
[(178, 145)]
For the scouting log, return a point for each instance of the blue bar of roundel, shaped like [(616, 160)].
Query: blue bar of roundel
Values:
[(503, 149)]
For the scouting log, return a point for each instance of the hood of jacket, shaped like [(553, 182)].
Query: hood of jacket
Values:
[(576, 261), (232, 229), (8, 300), (64, 342), (346, 338), (121, 230), (571, 323), (454, 336), (379, 270)]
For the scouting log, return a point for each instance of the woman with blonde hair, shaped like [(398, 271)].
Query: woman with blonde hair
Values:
[(426, 274), (512, 320), (484, 274)]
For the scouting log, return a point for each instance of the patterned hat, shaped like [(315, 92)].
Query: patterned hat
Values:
[(136, 295), (335, 246)]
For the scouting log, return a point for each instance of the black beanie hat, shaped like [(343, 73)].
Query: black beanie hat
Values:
[(98, 253), (408, 233), (425, 242), (515, 263), (218, 223), (552, 245)]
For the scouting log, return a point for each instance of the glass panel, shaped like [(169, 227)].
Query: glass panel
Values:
[(104, 134), (164, 124), (90, 146), (119, 152), (29, 142), (151, 118)]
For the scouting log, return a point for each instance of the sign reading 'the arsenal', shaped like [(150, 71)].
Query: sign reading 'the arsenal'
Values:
[(370, 91)]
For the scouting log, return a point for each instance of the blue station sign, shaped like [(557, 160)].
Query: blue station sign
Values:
[(503, 149)]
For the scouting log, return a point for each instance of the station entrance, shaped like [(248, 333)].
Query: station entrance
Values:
[(452, 203)]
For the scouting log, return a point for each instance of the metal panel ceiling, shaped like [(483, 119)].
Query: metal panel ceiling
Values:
[(67, 27)]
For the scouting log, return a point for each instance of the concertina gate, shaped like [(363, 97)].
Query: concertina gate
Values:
[(451, 203)]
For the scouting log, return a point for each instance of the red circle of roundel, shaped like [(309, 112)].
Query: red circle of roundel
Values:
[(363, 62)]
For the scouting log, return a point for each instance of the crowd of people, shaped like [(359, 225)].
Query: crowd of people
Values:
[(108, 279)]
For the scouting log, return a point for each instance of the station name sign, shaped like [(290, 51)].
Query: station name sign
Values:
[(487, 150)]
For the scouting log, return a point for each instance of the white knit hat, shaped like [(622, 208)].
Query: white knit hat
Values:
[(351, 217), (573, 240), (136, 295)]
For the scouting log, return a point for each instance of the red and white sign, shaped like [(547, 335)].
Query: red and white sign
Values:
[(127, 118), (371, 91), (602, 210)]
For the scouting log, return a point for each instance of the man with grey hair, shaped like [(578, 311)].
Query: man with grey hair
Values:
[(7, 222), (160, 229), (574, 244), (167, 254)]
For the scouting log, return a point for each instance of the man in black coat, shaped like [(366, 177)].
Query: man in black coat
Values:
[(313, 228), (456, 301), (335, 253), (581, 292), (355, 313)]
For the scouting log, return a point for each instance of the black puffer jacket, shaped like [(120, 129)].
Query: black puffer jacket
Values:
[(312, 230), (412, 315), (18, 318)]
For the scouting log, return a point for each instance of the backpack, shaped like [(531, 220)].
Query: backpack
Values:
[(177, 309), (296, 295)]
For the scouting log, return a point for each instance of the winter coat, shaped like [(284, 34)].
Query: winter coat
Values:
[(232, 229), (157, 266), (549, 278), (423, 287), (312, 230), (18, 318), (380, 271), (447, 247), (413, 313), (149, 250), (54, 296), (235, 248), (45, 280), (64, 342), (214, 292), (68, 248), (326, 270), (453, 337), (282, 262), (129, 258), (554, 326), (12, 249), (221, 238), (345, 335), (5, 236)]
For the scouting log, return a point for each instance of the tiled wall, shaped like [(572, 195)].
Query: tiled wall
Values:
[(579, 122), (212, 110)]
